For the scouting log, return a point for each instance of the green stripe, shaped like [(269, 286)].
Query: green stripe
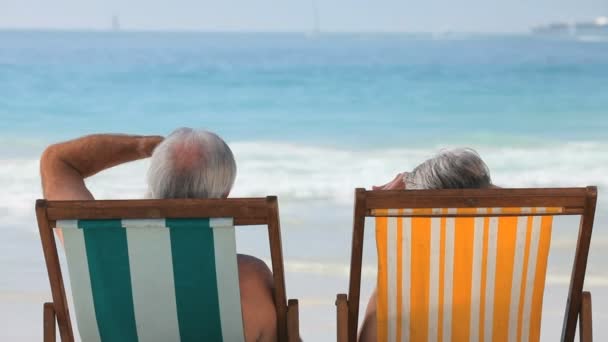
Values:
[(108, 258), (195, 280)]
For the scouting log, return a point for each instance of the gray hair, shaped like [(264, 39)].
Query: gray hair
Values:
[(450, 169), (191, 164)]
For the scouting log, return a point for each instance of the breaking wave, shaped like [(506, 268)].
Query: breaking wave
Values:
[(299, 172)]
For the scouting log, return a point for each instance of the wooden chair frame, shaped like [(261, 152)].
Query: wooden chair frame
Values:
[(575, 201), (245, 211)]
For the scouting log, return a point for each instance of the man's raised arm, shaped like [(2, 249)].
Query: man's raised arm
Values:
[(64, 166)]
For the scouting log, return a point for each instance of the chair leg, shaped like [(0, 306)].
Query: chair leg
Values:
[(48, 322), (293, 321), (342, 317), (585, 321)]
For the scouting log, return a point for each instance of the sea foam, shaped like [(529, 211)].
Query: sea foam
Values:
[(306, 172)]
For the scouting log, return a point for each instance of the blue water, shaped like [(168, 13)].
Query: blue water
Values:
[(336, 90)]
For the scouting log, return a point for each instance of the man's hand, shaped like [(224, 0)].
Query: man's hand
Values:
[(396, 184), (64, 166), (147, 144)]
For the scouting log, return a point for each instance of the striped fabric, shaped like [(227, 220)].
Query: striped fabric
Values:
[(154, 280), (461, 278)]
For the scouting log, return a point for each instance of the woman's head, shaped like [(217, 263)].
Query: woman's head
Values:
[(450, 169)]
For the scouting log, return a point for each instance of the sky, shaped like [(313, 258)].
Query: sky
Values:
[(298, 15)]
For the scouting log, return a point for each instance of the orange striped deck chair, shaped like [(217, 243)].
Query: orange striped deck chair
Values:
[(466, 265)]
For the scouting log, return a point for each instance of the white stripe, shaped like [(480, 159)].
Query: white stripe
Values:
[(151, 266), (227, 275), (448, 281), (476, 274), (434, 277), (144, 223), (531, 275), (518, 267), (406, 284), (490, 276), (80, 280), (219, 222), (391, 244)]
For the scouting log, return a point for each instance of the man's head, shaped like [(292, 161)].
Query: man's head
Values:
[(449, 169), (191, 164)]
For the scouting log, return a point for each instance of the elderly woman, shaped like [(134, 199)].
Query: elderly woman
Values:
[(450, 169)]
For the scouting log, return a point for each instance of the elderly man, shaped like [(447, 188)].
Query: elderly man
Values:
[(450, 169), (187, 164)]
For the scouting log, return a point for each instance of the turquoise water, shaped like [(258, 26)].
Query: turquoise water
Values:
[(324, 112), (308, 119), (337, 90)]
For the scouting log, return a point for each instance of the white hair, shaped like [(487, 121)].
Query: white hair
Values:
[(191, 164), (451, 169)]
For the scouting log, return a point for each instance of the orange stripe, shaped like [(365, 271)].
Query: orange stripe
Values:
[(441, 275), (524, 277), (482, 287), (505, 253), (399, 274), (539, 278), (467, 211), (381, 303), (419, 293), (464, 231)]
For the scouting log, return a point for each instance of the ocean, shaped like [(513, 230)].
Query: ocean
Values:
[(309, 118)]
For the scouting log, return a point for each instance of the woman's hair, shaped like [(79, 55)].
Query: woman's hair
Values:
[(450, 169)]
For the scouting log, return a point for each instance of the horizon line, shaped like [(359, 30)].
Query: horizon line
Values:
[(237, 31)]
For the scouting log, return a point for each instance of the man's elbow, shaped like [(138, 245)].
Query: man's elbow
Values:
[(48, 157), (51, 165)]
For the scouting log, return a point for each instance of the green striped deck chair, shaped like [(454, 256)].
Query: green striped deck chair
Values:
[(470, 265), (155, 279)]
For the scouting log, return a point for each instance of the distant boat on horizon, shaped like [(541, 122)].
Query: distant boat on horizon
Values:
[(115, 23), (596, 30), (316, 27)]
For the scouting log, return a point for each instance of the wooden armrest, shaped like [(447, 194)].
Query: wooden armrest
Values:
[(342, 317), (48, 322), (293, 321), (585, 321)]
